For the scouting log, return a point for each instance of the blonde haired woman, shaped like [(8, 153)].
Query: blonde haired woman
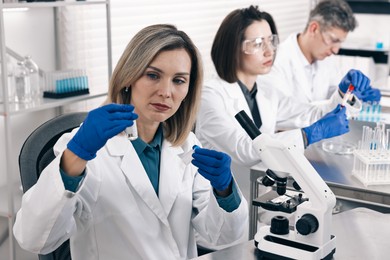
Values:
[(121, 199)]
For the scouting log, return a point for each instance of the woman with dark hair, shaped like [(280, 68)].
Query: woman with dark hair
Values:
[(137, 199), (244, 47)]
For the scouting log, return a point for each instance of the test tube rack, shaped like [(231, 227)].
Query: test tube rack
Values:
[(372, 167), (62, 84), (371, 112), (372, 158)]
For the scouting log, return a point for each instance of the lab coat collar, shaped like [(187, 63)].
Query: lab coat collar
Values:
[(234, 92), (170, 177), (300, 65)]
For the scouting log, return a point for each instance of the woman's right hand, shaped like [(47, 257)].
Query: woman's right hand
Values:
[(100, 125), (332, 124)]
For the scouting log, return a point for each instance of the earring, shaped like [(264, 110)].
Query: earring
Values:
[(127, 89)]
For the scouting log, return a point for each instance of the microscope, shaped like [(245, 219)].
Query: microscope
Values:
[(310, 237)]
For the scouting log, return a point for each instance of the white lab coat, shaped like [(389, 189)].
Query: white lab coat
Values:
[(217, 128), (294, 76), (116, 214)]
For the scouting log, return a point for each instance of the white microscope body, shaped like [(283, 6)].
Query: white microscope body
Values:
[(311, 238)]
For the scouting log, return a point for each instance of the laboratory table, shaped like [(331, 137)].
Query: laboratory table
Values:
[(361, 234), (336, 170)]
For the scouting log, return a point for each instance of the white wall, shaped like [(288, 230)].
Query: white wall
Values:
[(32, 33), (28, 33), (372, 28), (200, 19)]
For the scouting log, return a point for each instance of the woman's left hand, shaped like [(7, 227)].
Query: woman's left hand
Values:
[(214, 166)]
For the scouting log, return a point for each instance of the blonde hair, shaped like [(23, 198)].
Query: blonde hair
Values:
[(137, 56)]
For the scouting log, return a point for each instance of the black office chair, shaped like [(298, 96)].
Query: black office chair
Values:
[(37, 153)]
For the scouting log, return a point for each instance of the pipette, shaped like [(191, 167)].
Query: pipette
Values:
[(347, 95)]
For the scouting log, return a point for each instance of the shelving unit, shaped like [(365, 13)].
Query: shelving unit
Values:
[(375, 7), (10, 194)]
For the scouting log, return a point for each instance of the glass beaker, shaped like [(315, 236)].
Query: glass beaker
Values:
[(22, 83), (33, 70)]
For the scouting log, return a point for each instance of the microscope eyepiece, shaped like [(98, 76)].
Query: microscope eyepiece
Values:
[(271, 178), (281, 188)]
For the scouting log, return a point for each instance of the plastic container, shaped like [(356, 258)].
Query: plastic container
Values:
[(372, 167), (341, 147), (33, 70), (62, 84), (10, 83), (22, 83), (371, 164)]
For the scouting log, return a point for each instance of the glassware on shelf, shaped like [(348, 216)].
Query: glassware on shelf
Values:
[(33, 70), (22, 83), (10, 83), (65, 83)]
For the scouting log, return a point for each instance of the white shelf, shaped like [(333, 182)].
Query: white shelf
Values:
[(364, 48), (7, 110), (51, 4), (45, 103)]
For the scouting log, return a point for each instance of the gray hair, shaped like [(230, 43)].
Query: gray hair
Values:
[(333, 13)]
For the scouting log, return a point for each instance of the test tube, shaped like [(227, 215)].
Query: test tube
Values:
[(132, 132), (347, 95)]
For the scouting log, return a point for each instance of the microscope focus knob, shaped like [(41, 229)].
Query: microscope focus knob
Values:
[(307, 224), (279, 225)]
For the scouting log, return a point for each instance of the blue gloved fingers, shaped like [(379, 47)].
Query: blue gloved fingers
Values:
[(214, 166), (119, 122), (340, 110), (335, 110), (113, 107), (100, 125), (114, 119), (355, 77), (332, 124), (373, 95), (208, 157), (208, 152), (363, 85), (211, 165)]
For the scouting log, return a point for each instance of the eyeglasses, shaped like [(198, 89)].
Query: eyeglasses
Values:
[(330, 39), (253, 46)]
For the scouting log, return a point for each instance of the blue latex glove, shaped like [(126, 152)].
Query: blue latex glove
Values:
[(332, 124), (100, 125), (214, 166), (361, 83), (373, 95)]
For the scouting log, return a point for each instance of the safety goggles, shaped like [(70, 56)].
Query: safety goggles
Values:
[(330, 39), (252, 46)]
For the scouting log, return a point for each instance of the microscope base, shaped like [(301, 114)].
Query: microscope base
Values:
[(283, 247)]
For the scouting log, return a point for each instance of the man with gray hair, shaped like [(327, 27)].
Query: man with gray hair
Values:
[(303, 68)]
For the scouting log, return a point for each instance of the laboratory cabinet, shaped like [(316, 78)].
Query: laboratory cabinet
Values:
[(374, 15), (10, 194), (370, 6)]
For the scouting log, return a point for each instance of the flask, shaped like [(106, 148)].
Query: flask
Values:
[(22, 83), (33, 70), (10, 80)]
